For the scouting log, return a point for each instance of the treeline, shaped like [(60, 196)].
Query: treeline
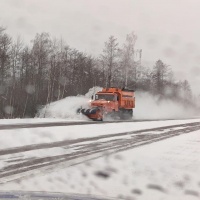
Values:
[(35, 74)]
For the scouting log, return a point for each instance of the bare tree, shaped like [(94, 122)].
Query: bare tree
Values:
[(160, 74), (41, 52), (187, 93), (109, 59), (127, 58), (15, 56), (5, 44)]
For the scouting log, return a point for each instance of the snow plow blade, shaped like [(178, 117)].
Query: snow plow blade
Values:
[(92, 113)]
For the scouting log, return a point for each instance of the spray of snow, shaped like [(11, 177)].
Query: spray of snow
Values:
[(93, 91), (147, 107), (67, 108), (152, 107)]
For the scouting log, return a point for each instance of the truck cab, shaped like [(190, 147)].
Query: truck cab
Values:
[(108, 101)]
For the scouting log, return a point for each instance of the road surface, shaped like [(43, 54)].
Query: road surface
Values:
[(15, 163), (71, 123)]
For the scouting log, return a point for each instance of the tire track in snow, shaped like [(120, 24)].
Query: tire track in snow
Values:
[(84, 149), (75, 141)]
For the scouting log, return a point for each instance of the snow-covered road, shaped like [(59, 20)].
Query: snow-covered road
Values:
[(40, 150), (19, 124)]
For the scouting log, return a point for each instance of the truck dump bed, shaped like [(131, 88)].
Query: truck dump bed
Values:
[(126, 97)]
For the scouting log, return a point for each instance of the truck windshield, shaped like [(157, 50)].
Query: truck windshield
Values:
[(106, 97)]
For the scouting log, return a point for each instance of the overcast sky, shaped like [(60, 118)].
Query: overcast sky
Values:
[(166, 29)]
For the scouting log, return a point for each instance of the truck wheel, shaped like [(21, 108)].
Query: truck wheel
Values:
[(130, 114), (112, 115), (126, 114)]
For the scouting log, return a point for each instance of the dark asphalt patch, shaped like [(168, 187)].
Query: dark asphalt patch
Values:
[(102, 174)]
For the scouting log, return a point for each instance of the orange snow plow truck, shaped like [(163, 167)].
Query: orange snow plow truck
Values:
[(112, 103)]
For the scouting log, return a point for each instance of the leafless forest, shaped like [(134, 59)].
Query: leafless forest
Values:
[(47, 69)]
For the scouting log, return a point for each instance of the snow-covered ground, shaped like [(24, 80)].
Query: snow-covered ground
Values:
[(28, 136), (32, 120), (167, 169)]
